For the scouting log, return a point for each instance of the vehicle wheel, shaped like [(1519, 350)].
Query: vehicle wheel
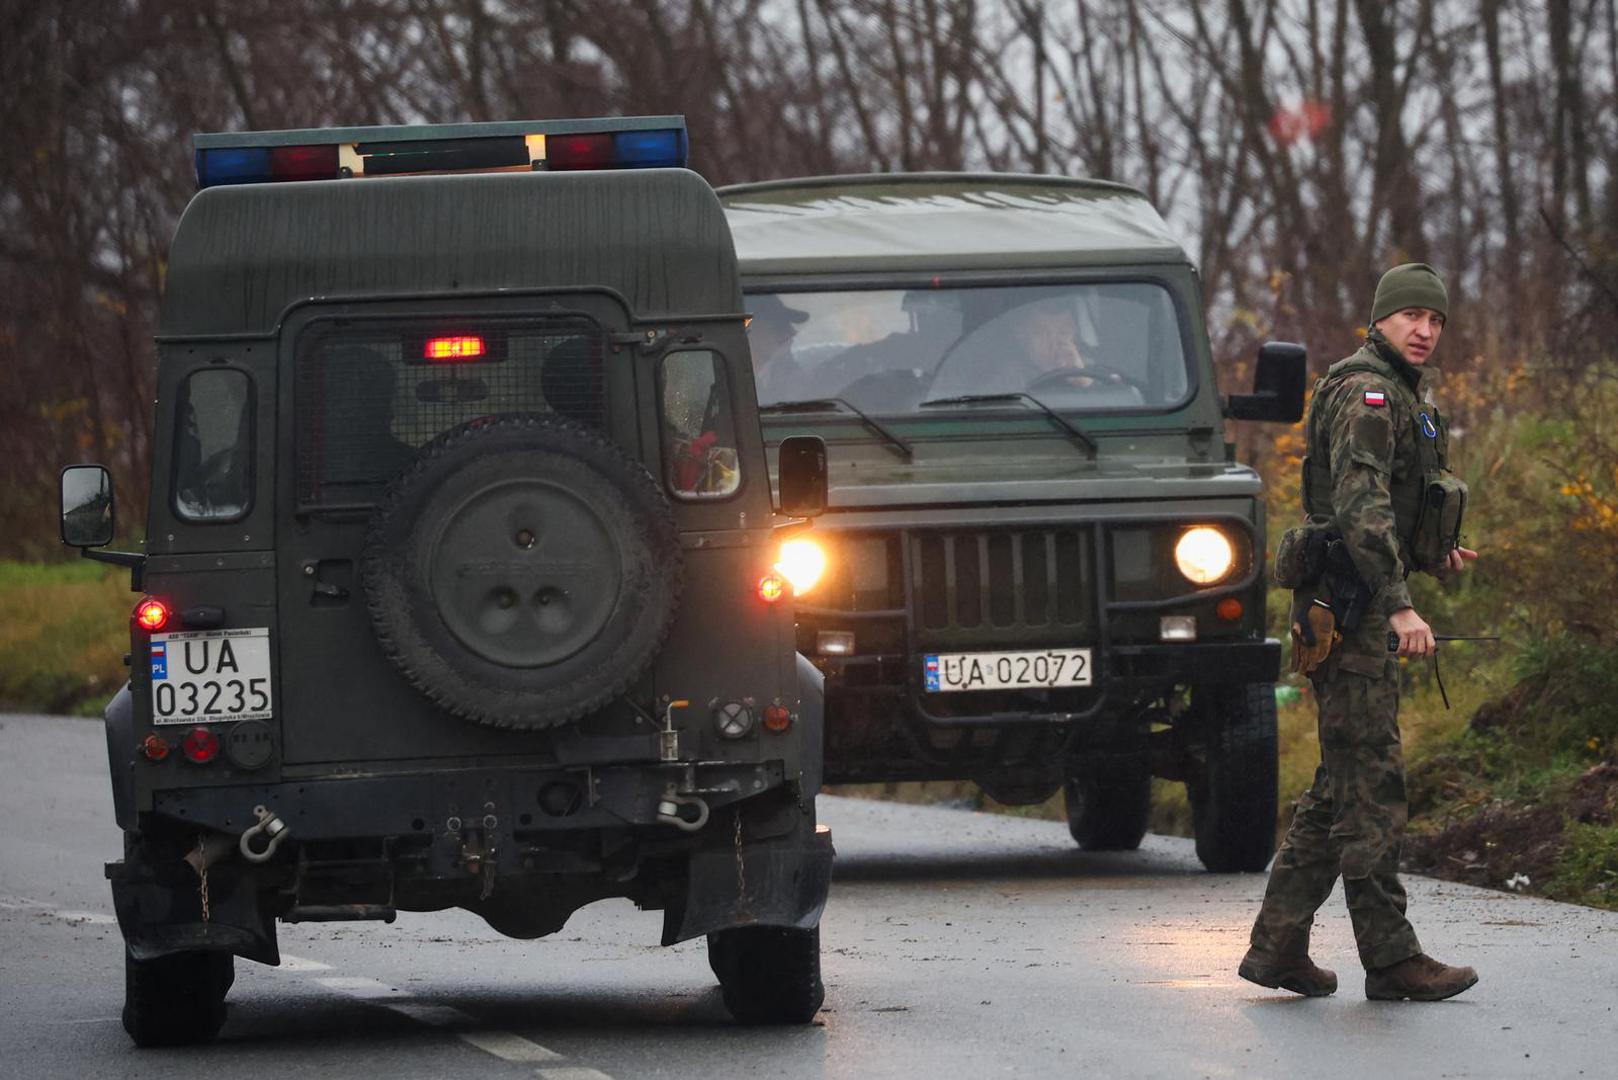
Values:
[(768, 974), (178, 999), (523, 572), (1232, 788), (1107, 808)]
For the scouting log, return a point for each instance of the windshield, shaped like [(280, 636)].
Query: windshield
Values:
[(1078, 347)]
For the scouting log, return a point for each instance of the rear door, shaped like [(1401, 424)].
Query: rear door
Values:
[(367, 387)]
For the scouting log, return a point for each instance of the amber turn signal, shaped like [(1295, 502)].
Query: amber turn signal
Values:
[(1229, 609)]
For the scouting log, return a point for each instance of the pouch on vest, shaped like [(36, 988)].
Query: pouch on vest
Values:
[(1438, 521), (1300, 557)]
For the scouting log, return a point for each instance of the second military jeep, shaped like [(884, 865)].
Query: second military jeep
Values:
[(459, 585), (1046, 571)]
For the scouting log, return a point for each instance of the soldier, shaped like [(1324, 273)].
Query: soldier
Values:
[(1377, 450)]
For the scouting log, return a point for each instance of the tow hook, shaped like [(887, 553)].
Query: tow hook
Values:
[(668, 811), (271, 828)]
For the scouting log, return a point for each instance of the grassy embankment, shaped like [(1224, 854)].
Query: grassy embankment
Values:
[(64, 635)]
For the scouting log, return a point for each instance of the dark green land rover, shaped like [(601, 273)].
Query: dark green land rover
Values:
[(459, 583), (1043, 568)]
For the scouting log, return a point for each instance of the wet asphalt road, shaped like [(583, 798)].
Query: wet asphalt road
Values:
[(956, 944)]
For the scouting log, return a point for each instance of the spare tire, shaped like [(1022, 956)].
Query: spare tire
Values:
[(523, 572)]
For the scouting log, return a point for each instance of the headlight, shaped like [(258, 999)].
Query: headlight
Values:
[(801, 562), (1204, 555)]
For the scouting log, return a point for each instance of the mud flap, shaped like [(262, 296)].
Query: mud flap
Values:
[(119, 718), (159, 917), (784, 883)]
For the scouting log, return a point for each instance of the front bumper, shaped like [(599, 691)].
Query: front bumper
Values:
[(1124, 673)]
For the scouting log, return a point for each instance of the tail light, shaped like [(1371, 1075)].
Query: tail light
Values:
[(200, 745), (152, 615), (777, 718)]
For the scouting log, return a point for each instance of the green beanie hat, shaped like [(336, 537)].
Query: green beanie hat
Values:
[(1409, 285)]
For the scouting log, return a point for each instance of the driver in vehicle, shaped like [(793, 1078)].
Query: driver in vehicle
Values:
[(770, 332), (1047, 337)]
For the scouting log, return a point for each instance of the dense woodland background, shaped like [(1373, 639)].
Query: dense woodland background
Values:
[(1301, 145)]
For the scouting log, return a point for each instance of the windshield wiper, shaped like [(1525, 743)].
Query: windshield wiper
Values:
[(1074, 433), (808, 405)]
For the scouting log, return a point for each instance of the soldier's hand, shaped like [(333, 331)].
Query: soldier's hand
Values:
[(1459, 558), (1415, 636)]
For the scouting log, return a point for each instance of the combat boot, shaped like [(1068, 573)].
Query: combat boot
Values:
[(1420, 978), (1296, 973)]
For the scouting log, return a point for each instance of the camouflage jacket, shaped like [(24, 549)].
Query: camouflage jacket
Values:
[(1372, 435)]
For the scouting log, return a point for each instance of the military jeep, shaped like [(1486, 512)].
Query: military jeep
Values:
[(1046, 570), (459, 585)]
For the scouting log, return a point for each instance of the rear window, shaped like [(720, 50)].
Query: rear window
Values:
[(213, 446), (699, 434), (371, 394)]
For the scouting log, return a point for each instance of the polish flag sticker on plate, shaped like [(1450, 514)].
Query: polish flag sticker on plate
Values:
[(1375, 397)]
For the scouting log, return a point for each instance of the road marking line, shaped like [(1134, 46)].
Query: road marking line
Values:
[(92, 917), (509, 1047), (299, 963), (19, 903), (431, 1015), (501, 1044), (358, 986)]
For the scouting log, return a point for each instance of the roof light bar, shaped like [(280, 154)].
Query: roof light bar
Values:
[(646, 142)]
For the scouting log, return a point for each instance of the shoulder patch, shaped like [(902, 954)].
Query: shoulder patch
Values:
[(1376, 398)]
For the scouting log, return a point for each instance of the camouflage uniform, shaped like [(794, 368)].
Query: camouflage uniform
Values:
[(1371, 438)]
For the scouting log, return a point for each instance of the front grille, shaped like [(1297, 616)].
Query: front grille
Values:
[(1003, 580), (367, 399)]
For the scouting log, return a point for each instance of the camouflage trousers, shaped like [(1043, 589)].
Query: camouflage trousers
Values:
[(1350, 822)]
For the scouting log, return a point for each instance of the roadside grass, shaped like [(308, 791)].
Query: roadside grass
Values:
[(64, 635)]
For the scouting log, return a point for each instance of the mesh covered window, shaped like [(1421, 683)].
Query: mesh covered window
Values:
[(370, 395)]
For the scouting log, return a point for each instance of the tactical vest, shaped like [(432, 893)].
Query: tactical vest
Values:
[(1428, 503)]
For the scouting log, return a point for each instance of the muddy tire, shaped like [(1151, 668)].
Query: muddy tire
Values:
[(768, 974), (1232, 786), (523, 572), (1107, 807), (176, 1000)]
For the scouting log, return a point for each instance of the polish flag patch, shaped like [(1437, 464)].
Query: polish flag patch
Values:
[(1376, 398)]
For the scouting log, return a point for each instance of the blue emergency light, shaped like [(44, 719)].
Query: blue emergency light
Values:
[(256, 157)]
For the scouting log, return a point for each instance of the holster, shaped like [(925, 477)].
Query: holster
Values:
[(1350, 596)]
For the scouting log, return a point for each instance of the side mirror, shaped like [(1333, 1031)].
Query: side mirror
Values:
[(1277, 385), (802, 475), (86, 506)]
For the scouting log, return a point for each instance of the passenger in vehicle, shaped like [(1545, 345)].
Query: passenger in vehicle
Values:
[(770, 333)]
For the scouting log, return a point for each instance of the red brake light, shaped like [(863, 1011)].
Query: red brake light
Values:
[(151, 615), (463, 347), (155, 747), (200, 745), (777, 718)]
